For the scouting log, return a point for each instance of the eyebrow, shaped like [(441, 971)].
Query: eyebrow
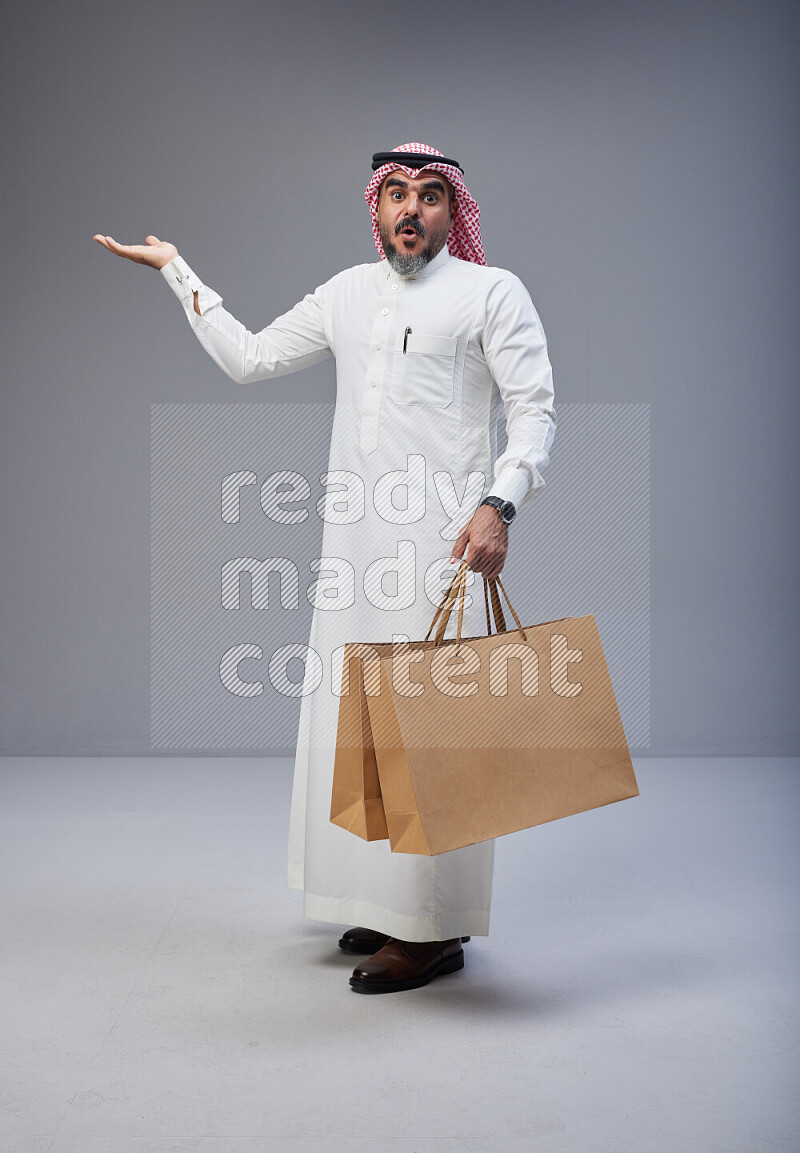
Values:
[(428, 186)]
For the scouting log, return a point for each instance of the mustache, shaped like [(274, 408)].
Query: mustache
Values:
[(415, 224)]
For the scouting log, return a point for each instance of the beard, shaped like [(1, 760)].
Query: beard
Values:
[(411, 263), (406, 263)]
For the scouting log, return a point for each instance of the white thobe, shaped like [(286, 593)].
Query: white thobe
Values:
[(425, 368)]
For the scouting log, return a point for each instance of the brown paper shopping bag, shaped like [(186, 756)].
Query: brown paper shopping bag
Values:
[(356, 802), (482, 736)]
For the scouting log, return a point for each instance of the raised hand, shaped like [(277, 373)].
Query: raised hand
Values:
[(155, 252)]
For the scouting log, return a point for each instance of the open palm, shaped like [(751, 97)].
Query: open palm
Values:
[(155, 252)]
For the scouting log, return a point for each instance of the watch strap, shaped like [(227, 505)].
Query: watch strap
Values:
[(501, 505)]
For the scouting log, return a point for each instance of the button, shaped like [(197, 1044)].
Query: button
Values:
[(378, 347), (394, 288), (385, 311), (373, 384)]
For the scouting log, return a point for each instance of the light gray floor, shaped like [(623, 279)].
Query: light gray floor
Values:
[(161, 990)]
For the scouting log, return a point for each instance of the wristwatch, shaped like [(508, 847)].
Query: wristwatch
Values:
[(504, 507)]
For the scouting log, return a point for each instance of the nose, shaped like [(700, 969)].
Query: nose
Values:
[(412, 205)]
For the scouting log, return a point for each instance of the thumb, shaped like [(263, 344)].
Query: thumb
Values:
[(460, 545), (152, 240)]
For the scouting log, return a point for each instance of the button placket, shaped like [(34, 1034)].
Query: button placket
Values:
[(377, 360)]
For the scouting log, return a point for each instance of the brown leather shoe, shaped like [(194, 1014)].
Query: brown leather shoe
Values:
[(360, 940), (367, 941), (407, 965)]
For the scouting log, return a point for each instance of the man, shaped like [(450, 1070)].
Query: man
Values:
[(431, 345)]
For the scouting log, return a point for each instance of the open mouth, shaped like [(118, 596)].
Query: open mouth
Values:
[(410, 231)]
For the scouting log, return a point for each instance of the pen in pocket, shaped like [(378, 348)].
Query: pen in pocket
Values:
[(405, 338)]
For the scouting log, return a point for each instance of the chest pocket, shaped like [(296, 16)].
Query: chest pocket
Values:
[(424, 374)]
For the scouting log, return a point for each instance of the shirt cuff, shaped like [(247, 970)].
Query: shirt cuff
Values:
[(184, 283), (180, 278), (511, 484)]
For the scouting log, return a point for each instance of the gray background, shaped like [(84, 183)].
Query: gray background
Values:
[(635, 165)]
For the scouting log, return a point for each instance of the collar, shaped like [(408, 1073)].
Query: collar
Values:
[(438, 262)]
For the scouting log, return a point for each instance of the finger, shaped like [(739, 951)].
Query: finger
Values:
[(113, 245), (136, 252), (493, 566), (152, 239), (474, 562)]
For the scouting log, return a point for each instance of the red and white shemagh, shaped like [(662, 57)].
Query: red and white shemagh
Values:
[(464, 238)]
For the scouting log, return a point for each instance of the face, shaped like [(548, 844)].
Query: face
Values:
[(414, 218)]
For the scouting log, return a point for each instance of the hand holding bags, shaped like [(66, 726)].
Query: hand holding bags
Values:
[(451, 742)]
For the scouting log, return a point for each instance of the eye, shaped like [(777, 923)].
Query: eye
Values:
[(396, 194)]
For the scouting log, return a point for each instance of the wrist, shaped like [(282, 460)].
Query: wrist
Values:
[(504, 508)]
